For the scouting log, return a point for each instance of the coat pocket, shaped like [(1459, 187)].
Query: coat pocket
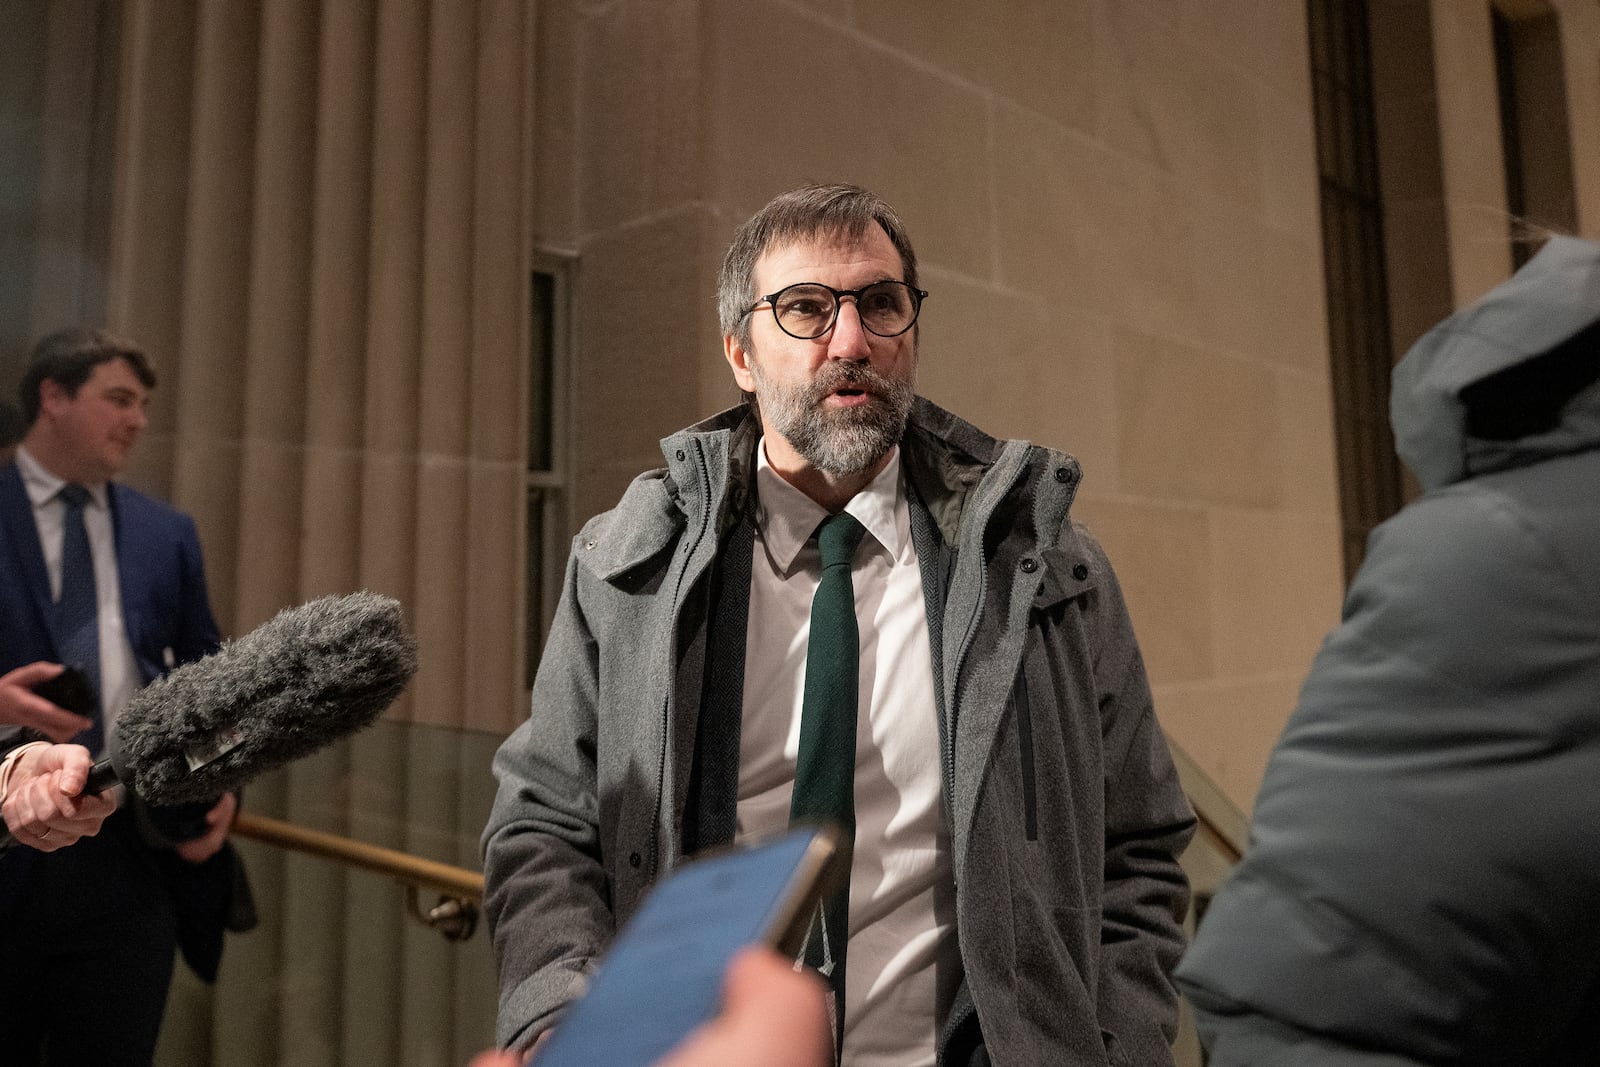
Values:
[(1030, 803)]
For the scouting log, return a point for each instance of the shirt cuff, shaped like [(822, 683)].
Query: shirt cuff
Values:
[(9, 763)]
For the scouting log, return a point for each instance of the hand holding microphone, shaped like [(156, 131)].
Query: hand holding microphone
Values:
[(291, 686), (41, 787), (295, 684)]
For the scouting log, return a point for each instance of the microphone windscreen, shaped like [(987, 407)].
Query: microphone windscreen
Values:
[(293, 685)]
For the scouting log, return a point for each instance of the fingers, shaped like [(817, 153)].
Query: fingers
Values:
[(496, 1059), (32, 674), (58, 724), (221, 813), (73, 761), (21, 706), (757, 973), (759, 980), (40, 813), (771, 1014), (219, 819)]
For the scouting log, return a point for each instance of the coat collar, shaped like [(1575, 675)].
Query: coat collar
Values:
[(707, 484)]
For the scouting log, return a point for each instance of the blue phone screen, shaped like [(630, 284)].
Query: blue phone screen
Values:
[(663, 975)]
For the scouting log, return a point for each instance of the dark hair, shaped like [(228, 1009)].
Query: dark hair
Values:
[(68, 357), (11, 425), (799, 214)]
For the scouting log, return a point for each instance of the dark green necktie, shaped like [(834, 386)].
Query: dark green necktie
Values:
[(825, 770)]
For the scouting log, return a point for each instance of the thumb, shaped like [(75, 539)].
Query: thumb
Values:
[(74, 767)]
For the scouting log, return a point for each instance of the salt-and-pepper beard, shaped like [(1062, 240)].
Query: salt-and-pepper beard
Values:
[(838, 440)]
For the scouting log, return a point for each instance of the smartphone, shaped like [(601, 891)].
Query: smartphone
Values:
[(662, 976), (71, 690)]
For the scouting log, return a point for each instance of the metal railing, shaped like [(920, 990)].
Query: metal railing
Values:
[(455, 916)]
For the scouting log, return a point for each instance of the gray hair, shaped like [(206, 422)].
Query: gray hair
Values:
[(798, 215)]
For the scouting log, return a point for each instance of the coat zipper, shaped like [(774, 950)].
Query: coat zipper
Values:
[(666, 700)]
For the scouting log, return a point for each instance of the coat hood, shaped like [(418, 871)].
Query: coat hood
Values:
[(1510, 380)]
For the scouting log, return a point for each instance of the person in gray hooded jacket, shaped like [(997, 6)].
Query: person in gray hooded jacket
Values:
[(1424, 862), (1015, 895)]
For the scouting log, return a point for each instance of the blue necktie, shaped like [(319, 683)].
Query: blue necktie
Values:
[(78, 608), (825, 769)]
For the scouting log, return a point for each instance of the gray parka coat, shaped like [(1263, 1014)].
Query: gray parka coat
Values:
[(1066, 811), (1424, 867)]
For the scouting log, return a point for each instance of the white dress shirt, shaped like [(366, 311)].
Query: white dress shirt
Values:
[(903, 961), (119, 672)]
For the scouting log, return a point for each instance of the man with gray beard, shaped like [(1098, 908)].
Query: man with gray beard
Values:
[(982, 725)]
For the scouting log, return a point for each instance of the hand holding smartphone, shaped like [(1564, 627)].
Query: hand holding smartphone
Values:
[(44, 697), (70, 690), (663, 975)]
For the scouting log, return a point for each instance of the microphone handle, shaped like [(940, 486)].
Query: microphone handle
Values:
[(102, 776)]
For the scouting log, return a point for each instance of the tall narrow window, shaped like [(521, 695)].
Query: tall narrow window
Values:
[(1534, 140), (1353, 268), (550, 343)]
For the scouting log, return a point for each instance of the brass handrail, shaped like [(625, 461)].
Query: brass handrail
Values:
[(455, 916), (399, 865), (1221, 823)]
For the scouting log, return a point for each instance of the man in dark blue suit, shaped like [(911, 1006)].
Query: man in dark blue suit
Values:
[(109, 581)]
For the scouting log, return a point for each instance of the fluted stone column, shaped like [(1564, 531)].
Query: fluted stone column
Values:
[(320, 233)]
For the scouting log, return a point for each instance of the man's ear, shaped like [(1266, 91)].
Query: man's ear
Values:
[(52, 396), (739, 359)]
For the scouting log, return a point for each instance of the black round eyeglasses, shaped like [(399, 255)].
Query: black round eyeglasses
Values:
[(807, 310)]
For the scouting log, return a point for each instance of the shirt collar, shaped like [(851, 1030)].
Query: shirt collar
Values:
[(787, 517), (43, 486)]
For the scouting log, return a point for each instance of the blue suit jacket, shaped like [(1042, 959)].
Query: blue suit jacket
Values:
[(167, 616), (165, 609)]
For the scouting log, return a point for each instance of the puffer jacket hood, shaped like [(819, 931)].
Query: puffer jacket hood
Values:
[(1461, 398)]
